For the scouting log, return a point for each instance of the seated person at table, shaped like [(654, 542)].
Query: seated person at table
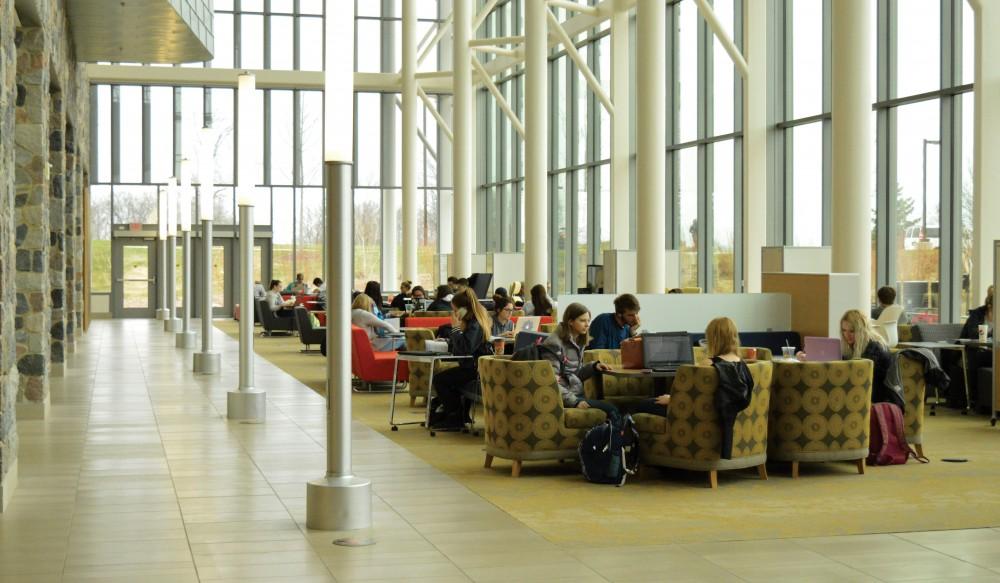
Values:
[(722, 343), (516, 292), (373, 290), (318, 286), (981, 315), (362, 317), (399, 300), (540, 304), (859, 340), (887, 297), (469, 325), (608, 330), (442, 299), (503, 325), (259, 292), (566, 357), (417, 294), (278, 305), (299, 286), (452, 284)]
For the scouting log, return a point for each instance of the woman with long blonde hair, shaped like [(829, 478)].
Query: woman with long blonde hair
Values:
[(859, 340)]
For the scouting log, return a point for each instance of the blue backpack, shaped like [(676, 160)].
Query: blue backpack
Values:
[(609, 453)]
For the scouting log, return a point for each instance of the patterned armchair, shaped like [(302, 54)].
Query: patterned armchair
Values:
[(420, 314), (762, 353), (820, 412), (524, 414), (624, 393), (911, 372), (420, 372), (690, 436), (548, 328)]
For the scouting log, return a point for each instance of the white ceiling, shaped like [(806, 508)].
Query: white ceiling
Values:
[(133, 31)]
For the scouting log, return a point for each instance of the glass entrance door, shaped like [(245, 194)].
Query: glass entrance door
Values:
[(133, 269)]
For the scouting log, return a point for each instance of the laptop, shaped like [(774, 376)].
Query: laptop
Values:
[(527, 338), (665, 351), (819, 349), (527, 324)]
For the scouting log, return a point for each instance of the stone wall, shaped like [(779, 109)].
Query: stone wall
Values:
[(8, 346), (57, 226)]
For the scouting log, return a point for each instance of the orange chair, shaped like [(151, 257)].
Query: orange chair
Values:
[(372, 367)]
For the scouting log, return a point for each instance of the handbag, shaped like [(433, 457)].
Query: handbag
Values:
[(632, 353)]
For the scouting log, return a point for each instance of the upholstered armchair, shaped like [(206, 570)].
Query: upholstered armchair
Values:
[(820, 412), (622, 392), (690, 436), (421, 314), (548, 328), (420, 372), (911, 373), (524, 414), (762, 353)]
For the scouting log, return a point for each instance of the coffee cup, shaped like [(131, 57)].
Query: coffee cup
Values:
[(751, 353), (788, 351), (983, 332), (498, 345)]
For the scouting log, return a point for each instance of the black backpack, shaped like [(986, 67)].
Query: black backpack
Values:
[(535, 351), (609, 453)]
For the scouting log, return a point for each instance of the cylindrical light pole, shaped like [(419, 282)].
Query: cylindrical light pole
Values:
[(172, 323), (207, 361), (339, 500), (185, 338), (246, 402), (161, 249)]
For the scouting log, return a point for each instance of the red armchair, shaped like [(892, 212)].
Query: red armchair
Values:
[(372, 367)]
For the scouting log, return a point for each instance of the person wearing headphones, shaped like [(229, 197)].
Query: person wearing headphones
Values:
[(608, 330)]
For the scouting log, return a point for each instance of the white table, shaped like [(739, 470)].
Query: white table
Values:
[(425, 358)]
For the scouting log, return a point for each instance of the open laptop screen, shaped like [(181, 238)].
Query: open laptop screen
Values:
[(666, 349)]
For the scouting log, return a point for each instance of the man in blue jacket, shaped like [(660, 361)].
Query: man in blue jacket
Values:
[(608, 330)]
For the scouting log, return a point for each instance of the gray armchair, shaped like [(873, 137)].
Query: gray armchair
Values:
[(308, 334)]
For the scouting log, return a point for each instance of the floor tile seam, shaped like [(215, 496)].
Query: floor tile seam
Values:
[(944, 553)]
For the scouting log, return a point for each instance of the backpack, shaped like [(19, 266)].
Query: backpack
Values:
[(535, 351), (888, 441), (609, 453)]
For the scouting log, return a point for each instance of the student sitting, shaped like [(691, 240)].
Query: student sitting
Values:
[(886, 297), (503, 325), (469, 323), (566, 356), (859, 340), (299, 286), (362, 317), (279, 305), (608, 330), (373, 290), (319, 288), (977, 316), (399, 301), (540, 304), (417, 294), (442, 299)]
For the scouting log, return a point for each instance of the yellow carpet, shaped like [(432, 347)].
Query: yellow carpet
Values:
[(676, 506)]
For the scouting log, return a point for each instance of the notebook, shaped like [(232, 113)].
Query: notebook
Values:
[(665, 351), (819, 349)]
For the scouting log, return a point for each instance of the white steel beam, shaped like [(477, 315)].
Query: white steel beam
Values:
[(536, 145), (581, 63), (720, 33), (504, 105), (437, 115), (574, 7), (651, 85), (481, 17), (410, 152), (620, 155), (438, 35), (463, 142)]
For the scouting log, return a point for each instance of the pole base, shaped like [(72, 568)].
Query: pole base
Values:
[(207, 362), (161, 314), (186, 339), (339, 503), (246, 405), (172, 325)]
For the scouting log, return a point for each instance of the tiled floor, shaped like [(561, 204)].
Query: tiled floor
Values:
[(138, 476)]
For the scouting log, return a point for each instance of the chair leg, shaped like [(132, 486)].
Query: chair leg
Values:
[(713, 479), (515, 470), (762, 470), (920, 449), (795, 470), (489, 461), (861, 466), (413, 399)]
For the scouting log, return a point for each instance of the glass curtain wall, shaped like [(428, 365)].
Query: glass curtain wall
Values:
[(922, 70)]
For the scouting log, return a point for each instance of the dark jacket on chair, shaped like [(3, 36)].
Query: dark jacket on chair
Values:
[(732, 396), (976, 317)]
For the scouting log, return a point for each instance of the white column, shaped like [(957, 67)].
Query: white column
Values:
[(410, 144), (463, 144), (651, 182), (755, 142), (851, 164), (536, 145), (619, 128), (985, 170)]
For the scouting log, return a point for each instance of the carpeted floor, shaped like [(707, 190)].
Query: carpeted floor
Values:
[(677, 506)]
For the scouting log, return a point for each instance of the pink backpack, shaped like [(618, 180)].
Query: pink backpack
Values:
[(888, 441)]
